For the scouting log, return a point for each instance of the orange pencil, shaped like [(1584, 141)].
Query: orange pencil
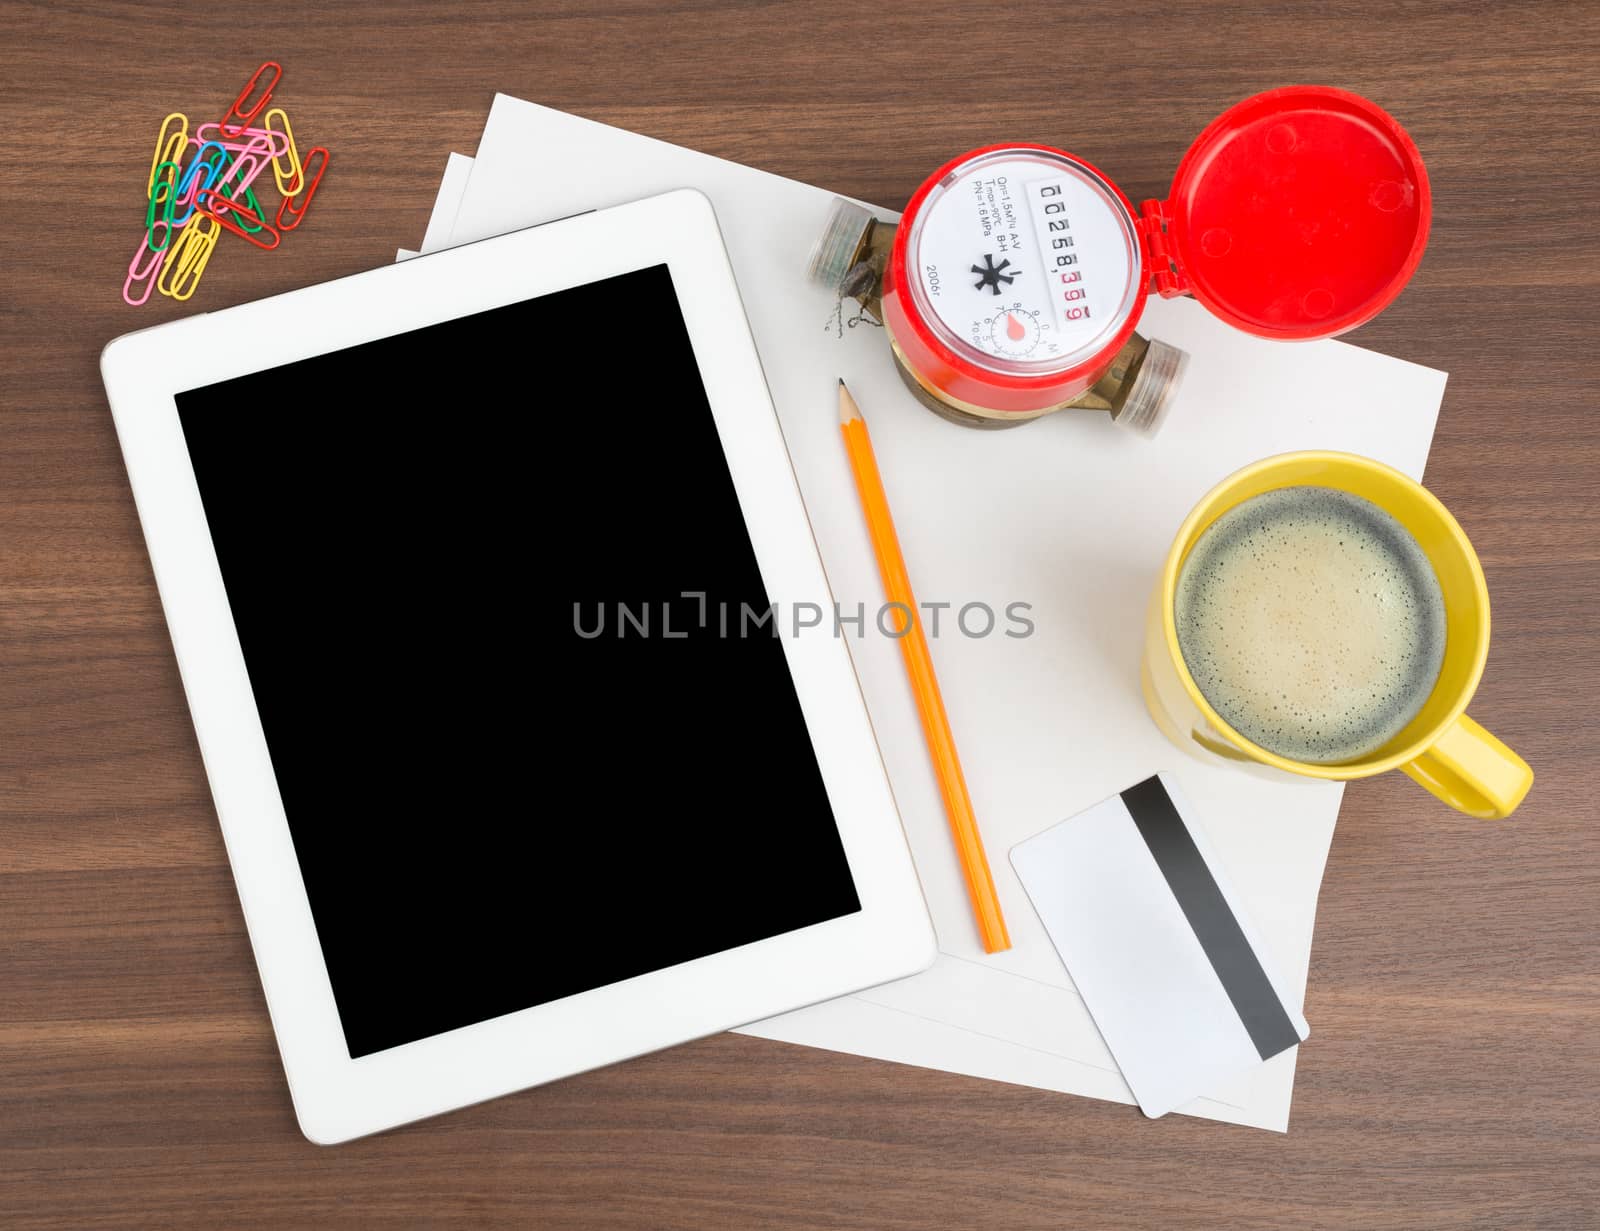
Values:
[(919, 666)]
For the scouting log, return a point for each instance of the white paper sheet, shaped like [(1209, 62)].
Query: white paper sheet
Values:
[(1069, 514), (452, 190), (446, 204)]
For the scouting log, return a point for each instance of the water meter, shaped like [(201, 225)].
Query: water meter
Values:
[(1013, 284)]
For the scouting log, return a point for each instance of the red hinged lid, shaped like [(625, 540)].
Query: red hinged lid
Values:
[(1298, 213)]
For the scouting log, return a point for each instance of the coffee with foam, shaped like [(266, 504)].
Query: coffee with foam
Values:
[(1312, 622)]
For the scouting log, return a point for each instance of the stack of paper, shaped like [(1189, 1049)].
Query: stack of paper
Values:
[(1069, 514)]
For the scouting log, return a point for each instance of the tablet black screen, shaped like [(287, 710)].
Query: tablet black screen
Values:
[(437, 548)]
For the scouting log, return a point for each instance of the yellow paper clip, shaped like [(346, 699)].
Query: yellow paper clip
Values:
[(180, 272), (169, 147), (285, 166)]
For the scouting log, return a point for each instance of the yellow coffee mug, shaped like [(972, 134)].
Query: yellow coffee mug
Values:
[(1441, 747)]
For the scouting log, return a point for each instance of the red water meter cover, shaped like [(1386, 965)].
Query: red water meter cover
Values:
[(1298, 213)]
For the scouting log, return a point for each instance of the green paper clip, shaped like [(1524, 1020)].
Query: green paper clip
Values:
[(250, 201), (163, 202)]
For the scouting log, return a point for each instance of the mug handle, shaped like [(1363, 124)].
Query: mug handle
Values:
[(1472, 771)]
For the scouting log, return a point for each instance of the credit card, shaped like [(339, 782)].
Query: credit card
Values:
[(1142, 917)]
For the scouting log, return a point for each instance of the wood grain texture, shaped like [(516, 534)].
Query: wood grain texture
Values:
[(1452, 1077)]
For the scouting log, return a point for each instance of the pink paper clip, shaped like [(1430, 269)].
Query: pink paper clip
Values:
[(238, 118), (251, 160), (213, 206), (277, 143), (144, 275), (290, 214)]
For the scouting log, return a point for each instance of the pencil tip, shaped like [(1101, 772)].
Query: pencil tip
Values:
[(847, 404)]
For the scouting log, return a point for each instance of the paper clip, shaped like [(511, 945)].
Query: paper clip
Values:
[(288, 177), (201, 173), (246, 165), (210, 153), (290, 215), (213, 132), (214, 205), (169, 145), (187, 259), (145, 274), (238, 119), (163, 201), (251, 216)]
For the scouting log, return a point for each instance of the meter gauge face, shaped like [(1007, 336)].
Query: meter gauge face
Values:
[(1013, 332), (1024, 261)]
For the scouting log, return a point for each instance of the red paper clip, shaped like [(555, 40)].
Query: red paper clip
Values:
[(289, 214), (237, 120), (213, 205)]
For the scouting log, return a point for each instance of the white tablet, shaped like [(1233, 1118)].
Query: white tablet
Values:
[(468, 564)]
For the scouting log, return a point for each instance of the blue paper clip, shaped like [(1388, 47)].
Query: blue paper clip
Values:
[(201, 172)]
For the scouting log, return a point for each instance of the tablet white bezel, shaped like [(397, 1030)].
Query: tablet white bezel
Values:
[(335, 1097)]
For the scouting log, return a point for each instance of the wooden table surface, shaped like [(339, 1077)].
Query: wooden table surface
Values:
[(1452, 1076)]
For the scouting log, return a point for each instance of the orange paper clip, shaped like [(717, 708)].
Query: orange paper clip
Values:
[(291, 215), (212, 205), (238, 117)]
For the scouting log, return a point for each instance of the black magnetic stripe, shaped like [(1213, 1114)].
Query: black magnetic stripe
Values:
[(1238, 969)]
